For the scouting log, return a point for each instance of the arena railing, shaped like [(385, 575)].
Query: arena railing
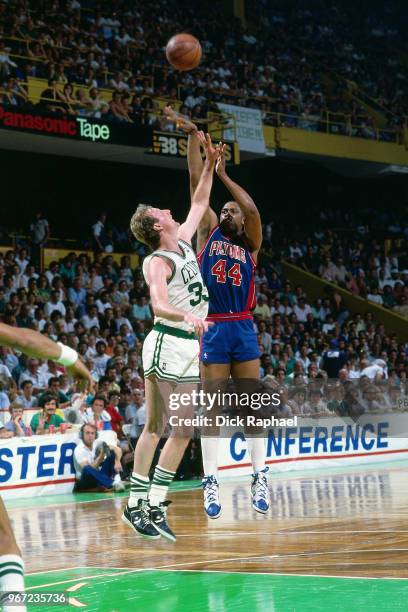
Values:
[(313, 123)]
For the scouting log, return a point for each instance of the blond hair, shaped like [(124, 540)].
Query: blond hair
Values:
[(141, 226)]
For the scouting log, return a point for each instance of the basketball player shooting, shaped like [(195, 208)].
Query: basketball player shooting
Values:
[(33, 344), (170, 351), (227, 254)]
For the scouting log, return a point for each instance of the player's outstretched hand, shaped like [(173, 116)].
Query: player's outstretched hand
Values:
[(82, 376), (220, 163), (212, 152), (199, 326), (182, 122)]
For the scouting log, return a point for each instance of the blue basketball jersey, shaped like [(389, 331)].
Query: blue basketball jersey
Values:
[(227, 268)]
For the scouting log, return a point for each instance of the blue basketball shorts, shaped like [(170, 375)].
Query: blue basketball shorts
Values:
[(229, 341)]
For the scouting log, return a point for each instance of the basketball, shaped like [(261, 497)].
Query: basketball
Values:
[(183, 51)]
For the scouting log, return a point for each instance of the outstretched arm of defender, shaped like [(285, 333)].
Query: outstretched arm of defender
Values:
[(195, 162), (201, 198), (158, 274), (195, 169), (253, 225), (34, 344), (195, 165)]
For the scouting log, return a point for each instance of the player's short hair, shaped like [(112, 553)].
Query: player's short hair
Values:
[(141, 225)]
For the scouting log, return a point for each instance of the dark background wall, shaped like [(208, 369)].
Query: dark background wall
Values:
[(72, 192)]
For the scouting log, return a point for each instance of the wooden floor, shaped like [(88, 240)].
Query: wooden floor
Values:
[(333, 523)]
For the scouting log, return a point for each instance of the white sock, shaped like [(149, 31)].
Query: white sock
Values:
[(209, 448), (139, 489), (162, 479), (12, 578), (257, 451)]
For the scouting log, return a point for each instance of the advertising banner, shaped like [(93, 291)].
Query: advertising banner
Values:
[(249, 128), (39, 465)]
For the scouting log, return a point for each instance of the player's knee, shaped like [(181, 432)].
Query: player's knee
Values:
[(153, 431)]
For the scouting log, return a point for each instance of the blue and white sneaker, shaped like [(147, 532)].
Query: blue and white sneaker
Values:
[(212, 504), (260, 492)]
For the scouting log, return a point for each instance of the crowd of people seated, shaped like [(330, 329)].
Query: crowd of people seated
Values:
[(102, 309), (289, 60), (366, 254)]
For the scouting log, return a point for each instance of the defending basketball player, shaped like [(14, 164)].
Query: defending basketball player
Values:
[(227, 253), (32, 344), (170, 352)]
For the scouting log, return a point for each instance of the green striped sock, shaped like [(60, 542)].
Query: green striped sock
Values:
[(160, 485), (11, 578), (139, 488)]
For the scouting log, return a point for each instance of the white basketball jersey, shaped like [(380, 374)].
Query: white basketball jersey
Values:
[(186, 289)]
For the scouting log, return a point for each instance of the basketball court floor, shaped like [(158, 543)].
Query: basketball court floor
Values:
[(335, 539)]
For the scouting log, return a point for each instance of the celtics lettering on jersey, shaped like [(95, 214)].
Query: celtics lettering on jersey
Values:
[(186, 289)]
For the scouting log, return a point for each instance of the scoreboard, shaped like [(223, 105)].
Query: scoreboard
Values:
[(172, 144)]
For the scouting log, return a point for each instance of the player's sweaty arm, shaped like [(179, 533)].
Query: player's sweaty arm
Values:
[(201, 197), (158, 273), (253, 225), (35, 344)]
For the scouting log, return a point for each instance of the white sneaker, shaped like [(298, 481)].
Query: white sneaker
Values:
[(118, 484)]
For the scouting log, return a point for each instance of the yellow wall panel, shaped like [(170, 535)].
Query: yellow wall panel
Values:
[(318, 143)]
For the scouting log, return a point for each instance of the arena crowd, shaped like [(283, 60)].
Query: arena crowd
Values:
[(303, 63)]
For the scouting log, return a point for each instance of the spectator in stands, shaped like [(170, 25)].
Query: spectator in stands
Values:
[(34, 375), (27, 399), (97, 464), (42, 421), (135, 414), (97, 413), (77, 295), (40, 233), (113, 411), (101, 359), (333, 360), (141, 309), (98, 230), (262, 310), (16, 424), (118, 109), (54, 387)]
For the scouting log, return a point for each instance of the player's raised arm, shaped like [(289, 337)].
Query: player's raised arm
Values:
[(195, 165), (253, 225), (201, 198), (34, 344), (195, 162), (195, 169), (158, 274)]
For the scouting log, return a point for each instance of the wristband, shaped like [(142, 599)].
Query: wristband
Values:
[(68, 355)]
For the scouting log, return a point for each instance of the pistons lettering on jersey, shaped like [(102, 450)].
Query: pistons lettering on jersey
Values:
[(228, 273), (189, 271), (219, 247)]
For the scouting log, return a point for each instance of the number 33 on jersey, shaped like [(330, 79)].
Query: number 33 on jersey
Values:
[(186, 289)]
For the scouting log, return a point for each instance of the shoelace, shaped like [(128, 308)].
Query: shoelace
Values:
[(211, 491), (144, 517), (261, 486)]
